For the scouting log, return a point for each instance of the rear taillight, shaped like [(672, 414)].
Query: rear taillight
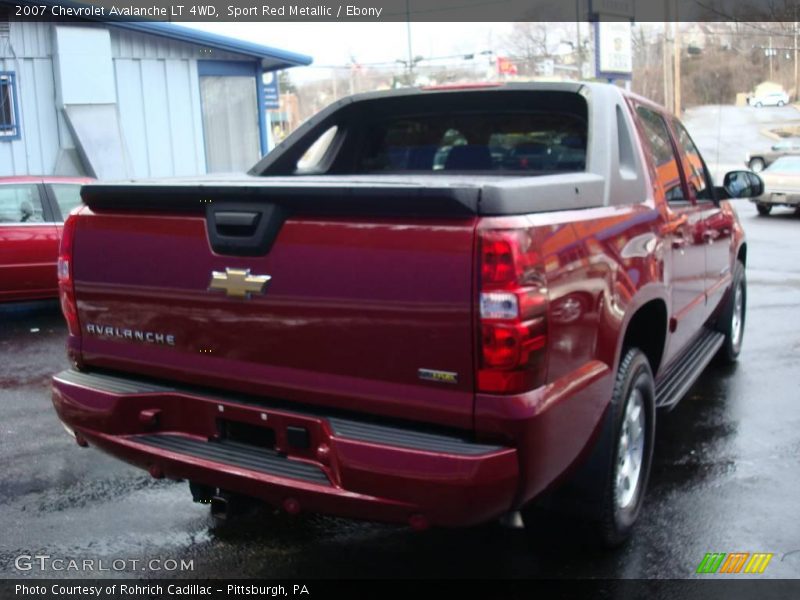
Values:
[(513, 313), (66, 285)]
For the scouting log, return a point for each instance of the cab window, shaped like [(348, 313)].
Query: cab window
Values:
[(697, 176), (660, 145)]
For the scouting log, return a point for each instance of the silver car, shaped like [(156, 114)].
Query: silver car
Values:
[(781, 185)]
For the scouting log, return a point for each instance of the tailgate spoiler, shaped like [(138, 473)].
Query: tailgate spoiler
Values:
[(332, 197), (372, 195)]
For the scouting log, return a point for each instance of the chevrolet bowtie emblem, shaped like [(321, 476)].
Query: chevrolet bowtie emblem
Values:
[(238, 283)]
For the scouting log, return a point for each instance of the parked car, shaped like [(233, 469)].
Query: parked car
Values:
[(757, 161), (32, 213), (769, 99), (781, 185), (387, 335)]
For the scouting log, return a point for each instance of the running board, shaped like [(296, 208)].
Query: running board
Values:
[(673, 384), (236, 454)]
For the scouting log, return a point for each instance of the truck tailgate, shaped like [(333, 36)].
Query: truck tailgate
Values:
[(356, 305)]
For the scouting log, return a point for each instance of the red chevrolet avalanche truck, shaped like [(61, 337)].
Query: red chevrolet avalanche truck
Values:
[(431, 306)]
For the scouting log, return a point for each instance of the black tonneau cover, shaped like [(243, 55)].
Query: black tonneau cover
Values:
[(407, 194)]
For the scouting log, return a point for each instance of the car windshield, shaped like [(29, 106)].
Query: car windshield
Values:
[(786, 164)]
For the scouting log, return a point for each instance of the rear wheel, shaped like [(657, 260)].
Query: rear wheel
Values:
[(780, 103), (759, 105), (608, 491), (756, 164), (763, 209)]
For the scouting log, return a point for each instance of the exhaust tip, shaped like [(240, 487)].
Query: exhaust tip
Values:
[(80, 440), (156, 472), (219, 507)]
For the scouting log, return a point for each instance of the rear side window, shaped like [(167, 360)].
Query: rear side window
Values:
[(67, 195), (20, 204), (525, 143)]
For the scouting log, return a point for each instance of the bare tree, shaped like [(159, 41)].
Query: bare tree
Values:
[(529, 43)]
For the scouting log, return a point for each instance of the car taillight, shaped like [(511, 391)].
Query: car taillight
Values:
[(66, 285), (513, 313)]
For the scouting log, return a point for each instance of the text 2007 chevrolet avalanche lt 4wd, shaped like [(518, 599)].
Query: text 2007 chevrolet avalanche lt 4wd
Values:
[(425, 306)]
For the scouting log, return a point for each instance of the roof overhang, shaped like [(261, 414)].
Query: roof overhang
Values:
[(271, 59)]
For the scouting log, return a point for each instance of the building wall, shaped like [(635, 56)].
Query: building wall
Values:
[(159, 107), (157, 97)]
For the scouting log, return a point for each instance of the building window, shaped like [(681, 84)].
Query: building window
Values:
[(9, 114)]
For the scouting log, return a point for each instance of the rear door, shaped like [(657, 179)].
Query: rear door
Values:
[(717, 224), (683, 231), (28, 243)]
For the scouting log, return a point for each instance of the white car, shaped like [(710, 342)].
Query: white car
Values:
[(769, 99)]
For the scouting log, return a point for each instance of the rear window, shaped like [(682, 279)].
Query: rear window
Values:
[(518, 142)]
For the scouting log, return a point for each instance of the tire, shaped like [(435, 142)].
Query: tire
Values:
[(756, 165), (763, 209), (732, 318), (759, 105), (780, 103), (597, 495)]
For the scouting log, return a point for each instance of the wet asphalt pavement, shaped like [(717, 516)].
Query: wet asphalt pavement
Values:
[(725, 478)]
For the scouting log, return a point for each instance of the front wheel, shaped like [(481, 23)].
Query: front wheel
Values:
[(781, 102), (756, 164), (763, 209), (731, 319)]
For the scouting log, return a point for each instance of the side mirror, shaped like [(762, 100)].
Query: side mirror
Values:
[(741, 184)]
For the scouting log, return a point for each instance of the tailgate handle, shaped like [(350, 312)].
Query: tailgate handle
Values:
[(243, 228), (236, 223)]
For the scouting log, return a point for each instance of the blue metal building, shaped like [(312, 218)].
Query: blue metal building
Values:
[(130, 99)]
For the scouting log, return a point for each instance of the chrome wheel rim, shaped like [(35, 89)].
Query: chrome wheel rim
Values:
[(630, 451), (737, 320), (569, 310)]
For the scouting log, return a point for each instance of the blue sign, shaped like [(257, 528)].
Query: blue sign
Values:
[(272, 94)]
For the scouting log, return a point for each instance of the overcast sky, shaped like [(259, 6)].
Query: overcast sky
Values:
[(335, 43)]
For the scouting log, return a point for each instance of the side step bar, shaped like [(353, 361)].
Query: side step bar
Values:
[(236, 454), (673, 384)]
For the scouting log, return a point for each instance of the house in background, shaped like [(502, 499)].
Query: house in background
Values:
[(130, 99)]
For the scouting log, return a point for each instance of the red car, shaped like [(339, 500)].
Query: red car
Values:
[(32, 213)]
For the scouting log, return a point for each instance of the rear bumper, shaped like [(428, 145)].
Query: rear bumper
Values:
[(350, 468)]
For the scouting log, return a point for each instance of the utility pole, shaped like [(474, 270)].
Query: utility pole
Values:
[(769, 52), (578, 46), (410, 64), (665, 66), (677, 65), (794, 32)]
